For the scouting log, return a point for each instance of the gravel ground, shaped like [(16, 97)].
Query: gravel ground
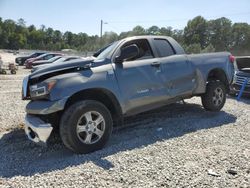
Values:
[(179, 145)]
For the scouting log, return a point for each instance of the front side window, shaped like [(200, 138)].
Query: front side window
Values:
[(163, 47), (145, 51)]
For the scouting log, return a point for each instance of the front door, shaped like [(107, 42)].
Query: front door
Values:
[(140, 79)]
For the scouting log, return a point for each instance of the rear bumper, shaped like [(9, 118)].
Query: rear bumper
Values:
[(37, 130)]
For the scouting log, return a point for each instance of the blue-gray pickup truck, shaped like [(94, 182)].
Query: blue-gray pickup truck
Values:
[(84, 99)]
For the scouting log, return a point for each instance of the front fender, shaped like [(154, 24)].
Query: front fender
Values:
[(69, 84), (44, 107)]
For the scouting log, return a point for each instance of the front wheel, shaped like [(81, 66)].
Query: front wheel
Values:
[(215, 96), (86, 126)]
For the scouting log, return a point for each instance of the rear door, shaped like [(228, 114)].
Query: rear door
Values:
[(178, 74), (139, 79)]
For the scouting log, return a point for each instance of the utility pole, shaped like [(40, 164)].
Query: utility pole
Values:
[(101, 29)]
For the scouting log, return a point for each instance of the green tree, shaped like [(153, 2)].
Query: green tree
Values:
[(193, 48), (199, 35), (241, 38), (220, 33), (153, 30), (138, 30), (166, 31), (196, 32), (208, 49)]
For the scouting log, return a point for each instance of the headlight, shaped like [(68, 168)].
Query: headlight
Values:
[(41, 90), (235, 77)]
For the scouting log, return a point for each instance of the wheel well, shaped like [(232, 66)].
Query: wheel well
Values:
[(218, 75), (102, 95)]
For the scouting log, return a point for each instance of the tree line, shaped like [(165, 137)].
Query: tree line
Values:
[(199, 35)]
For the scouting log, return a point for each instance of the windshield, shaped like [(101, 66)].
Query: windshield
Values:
[(55, 58), (107, 51), (60, 60), (33, 55), (38, 57)]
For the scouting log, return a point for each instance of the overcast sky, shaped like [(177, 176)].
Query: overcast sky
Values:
[(120, 15)]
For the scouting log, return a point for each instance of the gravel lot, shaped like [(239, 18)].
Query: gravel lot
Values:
[(179, 145)]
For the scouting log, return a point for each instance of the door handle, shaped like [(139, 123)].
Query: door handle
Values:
[(155, 64)]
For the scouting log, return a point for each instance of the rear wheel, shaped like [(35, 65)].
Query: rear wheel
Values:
[(86, 126), (215, 96)]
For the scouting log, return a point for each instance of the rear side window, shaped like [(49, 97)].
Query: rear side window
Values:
[(163, 47)]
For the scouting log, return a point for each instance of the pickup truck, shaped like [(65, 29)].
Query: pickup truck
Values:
[(242, 73), (84, 99)]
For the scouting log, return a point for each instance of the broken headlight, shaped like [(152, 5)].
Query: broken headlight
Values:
[(41, 90)]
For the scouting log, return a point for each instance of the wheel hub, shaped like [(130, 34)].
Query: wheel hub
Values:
[(218, 96), (90, 127)]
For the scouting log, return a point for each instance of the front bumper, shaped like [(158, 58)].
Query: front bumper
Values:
[(43, 107), (235, 88), (37, 130)]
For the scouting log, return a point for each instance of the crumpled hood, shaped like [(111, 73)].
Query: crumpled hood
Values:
[(243, 62), (72, 66)]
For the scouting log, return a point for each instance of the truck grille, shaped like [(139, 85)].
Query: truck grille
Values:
[(240, 80)]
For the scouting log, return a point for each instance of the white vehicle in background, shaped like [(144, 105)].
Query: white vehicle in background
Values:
[(59, 60)]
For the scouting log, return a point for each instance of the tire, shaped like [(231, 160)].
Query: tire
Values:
[(13, 72), (80, 130), (4, 72), (215, 96)]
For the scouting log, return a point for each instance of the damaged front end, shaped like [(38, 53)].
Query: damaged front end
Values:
[(37, 130), (37, 88)]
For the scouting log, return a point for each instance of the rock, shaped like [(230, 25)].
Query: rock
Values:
[(212, 173), (232, 172)]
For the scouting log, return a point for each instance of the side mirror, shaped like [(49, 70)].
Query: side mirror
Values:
[(127, 52)]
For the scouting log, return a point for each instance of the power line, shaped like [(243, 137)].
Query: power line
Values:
[(172, 20)]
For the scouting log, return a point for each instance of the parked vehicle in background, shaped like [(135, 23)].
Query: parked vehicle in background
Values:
[(42, 62), (67, 58), (59, 60), (21, 59), (29, 62), (242, 72), (83, 99)]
